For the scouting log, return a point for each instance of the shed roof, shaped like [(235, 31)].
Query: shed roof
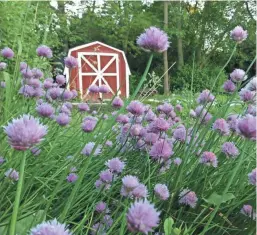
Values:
[(105, 45)]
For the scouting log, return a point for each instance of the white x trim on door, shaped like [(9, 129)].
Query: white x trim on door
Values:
[(98, 72)]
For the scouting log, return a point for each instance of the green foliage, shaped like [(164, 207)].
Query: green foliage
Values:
[(203, 78)]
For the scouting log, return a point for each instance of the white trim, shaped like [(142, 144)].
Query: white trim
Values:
[(80, 79), (127, 85), (118, 75)]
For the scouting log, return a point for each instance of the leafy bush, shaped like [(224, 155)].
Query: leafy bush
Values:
[(203, 78)]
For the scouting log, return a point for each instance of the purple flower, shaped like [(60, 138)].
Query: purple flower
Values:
[(60, 79), (23, 65), (117, 102), (179, 107), (63, 119), (87, 150), (25, 132), (177, 161), (107, 221), (27, 73), (109, 143), (106, 176), (89, 124), (252, 177), (65, 110), (161, 191), (83, 107), (180, 133), (48, 84), (205, 97), (55, 92), (230, 149), (153, 39), (247, 126), (229, 86), (251, 109), (52, 227), (188, 197), (101, 207), (142, 217), (252, 84), (68, 105), (12, 174), (93, 89), (136, 107), (45, 110), (151, 138), (35, 151), (7, 53), (104, 89), (44, 51), (3, 66), (140, 191), (232, 122), (75, 93), (221, 126), (122, 119), (248, 211), (135, 130), (37, 73), (161, 150), (72, 177), (246, 95), (165, 108), (238, 34), (115, 165), (159, 124), (130, 182), (71, 62), (150, 116), (209, 159), (98, 229), (238, 75), (2, 160), (3, 84), (67, 95)]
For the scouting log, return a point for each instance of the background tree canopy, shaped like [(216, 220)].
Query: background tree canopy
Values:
[(199, 32)]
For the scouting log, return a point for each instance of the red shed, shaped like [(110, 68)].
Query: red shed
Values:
[(99, 64)]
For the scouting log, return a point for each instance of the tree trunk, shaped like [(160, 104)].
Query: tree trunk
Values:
[(180, 44), (165, 54)]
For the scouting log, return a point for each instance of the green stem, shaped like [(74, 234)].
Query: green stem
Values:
[(143, 77), (17, 196), (227, 187)]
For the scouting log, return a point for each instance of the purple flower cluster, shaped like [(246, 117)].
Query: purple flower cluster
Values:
[(153, 39), (142, 217), (252, 177), (209, 159), (7, 53), (161, 191), (25, 132), (238, 34), (221, 126), (44, 51), (205, 97), (188, 197), (89, 124), (230, 149), (52, 227)]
